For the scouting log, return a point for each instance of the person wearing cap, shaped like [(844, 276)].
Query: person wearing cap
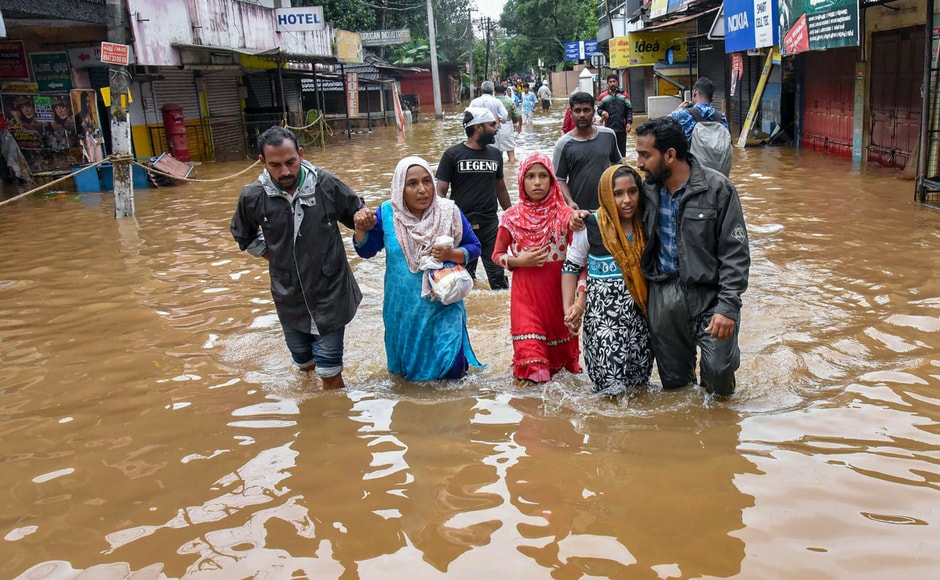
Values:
[(26, 114), (60, 134), (475, 169), (62, 113), (506, 138)]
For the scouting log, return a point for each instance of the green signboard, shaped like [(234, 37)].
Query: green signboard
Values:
[(52, 71), (817, 25)]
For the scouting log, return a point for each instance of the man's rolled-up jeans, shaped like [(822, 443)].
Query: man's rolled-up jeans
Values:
[(677, 326), (325, 351)]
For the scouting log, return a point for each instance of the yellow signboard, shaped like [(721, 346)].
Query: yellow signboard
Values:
[(348, 47), (648, 48)]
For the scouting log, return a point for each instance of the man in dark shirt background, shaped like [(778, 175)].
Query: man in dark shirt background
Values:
[(475, 168), (616, 111)]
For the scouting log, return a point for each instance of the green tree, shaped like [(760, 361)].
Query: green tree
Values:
[(345, 14), (451, 19), (541, 27)]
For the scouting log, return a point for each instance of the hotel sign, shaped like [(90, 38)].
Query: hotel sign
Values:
[(299, 19)]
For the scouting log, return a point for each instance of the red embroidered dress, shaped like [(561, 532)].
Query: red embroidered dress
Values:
[(542, 344)]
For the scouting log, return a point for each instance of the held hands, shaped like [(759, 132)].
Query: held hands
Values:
[(531, 258), (720, 327), (445, 254), (364, 219), (574, 315), (576, 221)]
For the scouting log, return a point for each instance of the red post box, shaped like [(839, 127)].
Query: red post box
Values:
[(174, 124)]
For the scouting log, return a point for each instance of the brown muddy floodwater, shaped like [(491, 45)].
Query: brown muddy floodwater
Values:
[(151, 425)]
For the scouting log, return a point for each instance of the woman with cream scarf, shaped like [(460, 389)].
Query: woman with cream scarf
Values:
[(424, 339), (616, 343)]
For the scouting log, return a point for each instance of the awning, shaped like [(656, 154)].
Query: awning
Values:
[(203, 55), (680, 20)]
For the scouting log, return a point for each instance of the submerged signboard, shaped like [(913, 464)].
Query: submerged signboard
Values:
[(817, 25)]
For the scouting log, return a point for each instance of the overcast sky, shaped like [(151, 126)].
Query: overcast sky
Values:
[(491, 8)]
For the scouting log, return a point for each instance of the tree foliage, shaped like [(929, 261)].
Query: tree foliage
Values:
[(541, 27), (451, 19)]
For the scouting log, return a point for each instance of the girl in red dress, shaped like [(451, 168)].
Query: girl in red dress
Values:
[(532, 242)]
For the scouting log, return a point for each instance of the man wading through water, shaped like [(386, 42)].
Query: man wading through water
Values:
[(290, 216)]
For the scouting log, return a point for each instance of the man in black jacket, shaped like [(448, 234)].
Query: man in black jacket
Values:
[(290, 216), (696, 260)]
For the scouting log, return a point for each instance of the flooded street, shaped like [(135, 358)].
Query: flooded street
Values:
[(151, 424)]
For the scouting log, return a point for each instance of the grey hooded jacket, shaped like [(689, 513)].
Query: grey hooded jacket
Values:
[(311, 282), (714, 258)]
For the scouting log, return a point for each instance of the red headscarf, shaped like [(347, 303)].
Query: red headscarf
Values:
[(533, 224)]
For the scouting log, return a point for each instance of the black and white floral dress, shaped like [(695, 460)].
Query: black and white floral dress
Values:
[(616, 341)]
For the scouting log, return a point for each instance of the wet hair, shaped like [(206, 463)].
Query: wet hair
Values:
[(275, 136), (500, 90), (468, 129), (581, 97), (705, 87), (667, 134), (613, 76)]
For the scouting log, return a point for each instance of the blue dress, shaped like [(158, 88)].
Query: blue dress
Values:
[(424, 340)]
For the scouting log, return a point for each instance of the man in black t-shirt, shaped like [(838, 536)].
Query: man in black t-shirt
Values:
[(475, 168)]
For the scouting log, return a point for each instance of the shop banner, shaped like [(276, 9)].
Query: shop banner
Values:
[(352, 94), (658, 8), (13, 60), (814, 25), (348, 47), (52, 71), (41, 121), (647, 49), (87, 123), (385, 37), (26, 127), (750, 24)]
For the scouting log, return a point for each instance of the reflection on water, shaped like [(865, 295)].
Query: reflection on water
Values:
[(150, 421)]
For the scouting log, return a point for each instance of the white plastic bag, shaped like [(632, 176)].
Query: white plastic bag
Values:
[(450, 282)]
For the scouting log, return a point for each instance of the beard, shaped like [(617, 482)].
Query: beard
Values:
[(659, 177), (487, 138)]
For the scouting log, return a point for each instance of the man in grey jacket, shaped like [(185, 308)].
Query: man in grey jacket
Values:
[(290, 216), (696, 259)]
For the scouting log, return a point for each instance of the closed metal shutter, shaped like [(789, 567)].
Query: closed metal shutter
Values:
[(829, 100), (260, 93), (177, 87), (225, 115), (741, 101), (293, 99)]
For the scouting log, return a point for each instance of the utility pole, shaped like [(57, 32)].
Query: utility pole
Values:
[(470, 68), (120, 124), (486, 66), (435, 74)]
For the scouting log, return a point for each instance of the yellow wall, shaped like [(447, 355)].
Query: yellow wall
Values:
[(140, 137)]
